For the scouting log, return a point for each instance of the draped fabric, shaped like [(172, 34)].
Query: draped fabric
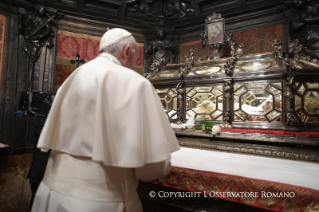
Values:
[(69, 44), (255, 41)]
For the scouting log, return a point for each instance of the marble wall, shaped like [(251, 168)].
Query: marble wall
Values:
[(15, 191)]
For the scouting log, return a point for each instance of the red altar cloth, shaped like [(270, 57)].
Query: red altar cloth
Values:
[(274, 132), (284, 186)]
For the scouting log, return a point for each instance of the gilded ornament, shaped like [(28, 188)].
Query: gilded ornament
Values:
[(290, 206), (199, 187), (172, 181), (185, 183), (313, 207), (214, 188), (161, 180), (268, 202)]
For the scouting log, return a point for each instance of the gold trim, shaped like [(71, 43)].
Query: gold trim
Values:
[(77, 35), (313, 207), (185, 184)]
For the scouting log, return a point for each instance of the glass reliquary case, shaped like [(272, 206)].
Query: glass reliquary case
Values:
[(266, 104)]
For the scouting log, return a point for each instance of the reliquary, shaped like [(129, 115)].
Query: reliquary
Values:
[(266, 104)]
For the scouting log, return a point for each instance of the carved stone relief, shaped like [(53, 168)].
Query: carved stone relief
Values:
[(36, 29), (160, 51), (305, 26), (160, 11)]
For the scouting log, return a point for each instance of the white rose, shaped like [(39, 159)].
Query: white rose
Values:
[(216, 129)]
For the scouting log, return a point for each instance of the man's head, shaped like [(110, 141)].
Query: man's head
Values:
[(122, 45), (215, 29)]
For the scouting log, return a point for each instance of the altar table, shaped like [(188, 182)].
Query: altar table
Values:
[(277, 184)]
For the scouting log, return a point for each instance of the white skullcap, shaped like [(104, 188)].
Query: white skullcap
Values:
[(113, 36)]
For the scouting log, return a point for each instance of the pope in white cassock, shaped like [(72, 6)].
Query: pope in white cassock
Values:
[(107, 130)]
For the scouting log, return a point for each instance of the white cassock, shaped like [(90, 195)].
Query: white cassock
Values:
[(107, 130)]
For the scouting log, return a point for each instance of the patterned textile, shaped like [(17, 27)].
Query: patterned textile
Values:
[(210, 184), (87, 46), (2, 31), (255, 41), (274, 132)]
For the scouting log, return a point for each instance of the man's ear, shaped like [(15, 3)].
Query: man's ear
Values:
[(127, 50)]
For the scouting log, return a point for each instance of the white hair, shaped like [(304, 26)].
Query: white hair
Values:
[(116, 48)]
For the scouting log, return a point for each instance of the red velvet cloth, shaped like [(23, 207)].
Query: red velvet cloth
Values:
[(299, 198)]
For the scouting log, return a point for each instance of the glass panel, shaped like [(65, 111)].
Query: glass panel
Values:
[(301, 89), (188, 89), (314, 120), (166, 101), (302, 116), (272, 115), (312, 85), (203, 118), (188, 103), (256, 103), (253, 100), (256, 118), (236, 118), (161, 91), (236, 102), (272, 90), (220, 118), (175, 103), (207, 70), (296, 84), (174, 117), (202, 104), (297, 102), (190, 114), (174, 90), (311, 102), (241, 114), (278, 102), (278, 120), (220, 87), (205, 105), (191, 93), (220, 103), (240, 91), (253, 66), (216, 92), (216, 114), (277, 84), (171, 93), (203, 89), (171, 113), (237, 85)]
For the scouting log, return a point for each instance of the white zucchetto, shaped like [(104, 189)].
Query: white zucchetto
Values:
[(113, 36)]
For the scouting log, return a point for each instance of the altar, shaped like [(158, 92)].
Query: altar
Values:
[(265, 158), (202, 177)]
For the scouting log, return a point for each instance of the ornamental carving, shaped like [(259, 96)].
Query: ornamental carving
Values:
[(183, 71), (305, 26), (160, 51), (160, 11), (235, 52), (36, 29)]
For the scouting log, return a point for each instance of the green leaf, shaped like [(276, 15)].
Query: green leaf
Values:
[(198, 127), (208, 124)]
